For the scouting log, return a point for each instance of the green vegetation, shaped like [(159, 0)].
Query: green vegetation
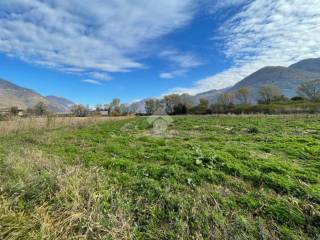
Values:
[(206, 177)]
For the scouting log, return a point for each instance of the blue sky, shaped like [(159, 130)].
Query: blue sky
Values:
[(93, 51)]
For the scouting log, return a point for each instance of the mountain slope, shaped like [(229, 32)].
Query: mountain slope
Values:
[(287, 79), (14, 95), (310, 65), (211, 95), (61, 102)]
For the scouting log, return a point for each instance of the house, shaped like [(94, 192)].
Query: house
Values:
[(12, 111), (104, 113)]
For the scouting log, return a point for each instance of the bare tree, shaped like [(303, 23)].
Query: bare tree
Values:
[(152, 105), (310, 90), (115, 107), (106, 107), (79, 110), (225, 99), (171, 101), (40, 109), (124, 109), (186, 100), (133, 108), (99, 107), (243, 95), (267, 93)]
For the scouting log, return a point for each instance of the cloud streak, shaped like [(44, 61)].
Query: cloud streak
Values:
[(92, 81), (180, 63), (93, 37), (265, 32)]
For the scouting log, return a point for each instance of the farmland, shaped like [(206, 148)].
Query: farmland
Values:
[(204, 177)]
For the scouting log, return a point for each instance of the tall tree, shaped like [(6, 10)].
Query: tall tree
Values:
[(133, 108), (243, 95), (152, 105), (225, 99), (203, 106), (14, 111), (171, 101), (310, 90), (79, 110), (124, 109), (267, 93), (40, 109), (99, 107), (186, 100), (115, 107)]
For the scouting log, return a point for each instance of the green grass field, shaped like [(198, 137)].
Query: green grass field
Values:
[(206, 177)]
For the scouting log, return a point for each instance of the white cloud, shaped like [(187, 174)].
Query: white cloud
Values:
[(100, 76), (167, 75), (87, 36), (180, 63), (92, 81), (266, 32), (182, 60), (174, 73)]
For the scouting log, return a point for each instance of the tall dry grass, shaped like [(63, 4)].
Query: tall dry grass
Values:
[(25, 124), (43, 198)]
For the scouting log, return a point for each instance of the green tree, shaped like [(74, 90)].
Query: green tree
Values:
[(14, 111), (203, 106)]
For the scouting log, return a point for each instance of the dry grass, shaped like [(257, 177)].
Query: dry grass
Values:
[(24, 124), (42, 198)]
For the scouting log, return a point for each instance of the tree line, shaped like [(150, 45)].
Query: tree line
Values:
[(234, 102)]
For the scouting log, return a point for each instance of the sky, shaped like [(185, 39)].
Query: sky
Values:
[(92, 51)]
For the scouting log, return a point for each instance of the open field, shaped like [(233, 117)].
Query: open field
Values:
[(50, 122), (205, 177)]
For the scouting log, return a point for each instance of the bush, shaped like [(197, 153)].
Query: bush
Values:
[(297, 98), (253, 130)]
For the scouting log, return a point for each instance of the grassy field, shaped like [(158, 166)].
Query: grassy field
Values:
[(206, 177), (19, 124)]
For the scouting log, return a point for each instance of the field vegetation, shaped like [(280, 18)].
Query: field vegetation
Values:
[(205, 177), (18, 124)]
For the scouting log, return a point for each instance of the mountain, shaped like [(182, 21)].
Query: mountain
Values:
[(287, 79), (60, 102), (211, 95), (14, 95), (310, 65)]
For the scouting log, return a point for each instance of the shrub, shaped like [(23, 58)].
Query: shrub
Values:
[(253, 130)]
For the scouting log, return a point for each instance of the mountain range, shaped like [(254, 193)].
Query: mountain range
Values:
[(287, 79), (23, 98)]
